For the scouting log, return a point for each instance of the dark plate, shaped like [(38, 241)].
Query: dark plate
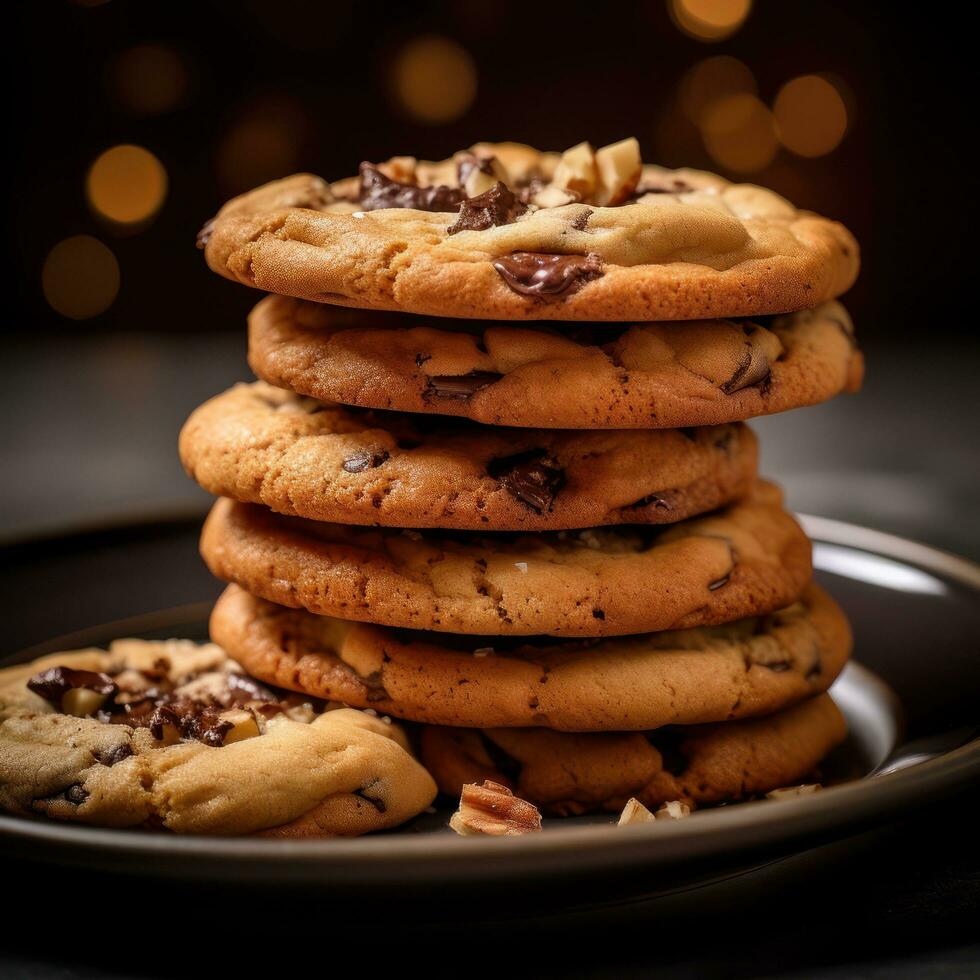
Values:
[(916, 622)]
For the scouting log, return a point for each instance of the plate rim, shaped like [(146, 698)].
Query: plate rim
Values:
[(858, 803)]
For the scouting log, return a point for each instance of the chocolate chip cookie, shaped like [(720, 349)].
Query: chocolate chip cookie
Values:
[(173, 736), (749, 558), (750, 667), (504, 231), (260, 444), (565, 773), (645, 375)]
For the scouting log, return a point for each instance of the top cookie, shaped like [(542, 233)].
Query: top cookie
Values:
[(505, 231)]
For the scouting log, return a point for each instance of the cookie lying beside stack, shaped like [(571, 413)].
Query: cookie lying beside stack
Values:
[(556, 544)]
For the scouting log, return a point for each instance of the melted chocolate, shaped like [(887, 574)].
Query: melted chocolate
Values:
[(53, 684), (192, 719), (533, 477), (459, 387), (379, 191), (497, 206), (753, 368), (542, 276), (365, 459)]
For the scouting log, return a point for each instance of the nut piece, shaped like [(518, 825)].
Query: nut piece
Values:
[(576, 171), (81, 702), (674, 810), (484, 175), (790, 792), (634, 812), (401, 169), (554, 197), (619, 167), (243, 725), (493, 809)]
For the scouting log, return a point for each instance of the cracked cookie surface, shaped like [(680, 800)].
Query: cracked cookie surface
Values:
[(750, 557), (529, 241), (742, 669), (171, 735), (645, 375), (259, 444), (567, 773)]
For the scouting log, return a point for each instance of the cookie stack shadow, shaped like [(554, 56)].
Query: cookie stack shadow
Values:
[(548, 546)]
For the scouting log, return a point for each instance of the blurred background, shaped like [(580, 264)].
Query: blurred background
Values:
[(134, 121)]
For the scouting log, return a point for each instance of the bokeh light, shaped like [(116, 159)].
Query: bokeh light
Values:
[(149, 79), (80, 277), (712, 79), (434, 79), (811, 117), (264, 144), (709, 20), (739, 133), (126, 184)]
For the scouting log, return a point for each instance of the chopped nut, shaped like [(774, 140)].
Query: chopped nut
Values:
[(634, 812), (483, 652), (554, 197), (401, 169), (790, 792), (619, 167), (521, 566), (81, 702), (576, 171), (493, 809), (243, 725), (674, 810), (484, 175)]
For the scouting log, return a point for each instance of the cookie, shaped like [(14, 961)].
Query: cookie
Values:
[(173, 736), (510, 233), (259, 444), (645, 375), (748, 558), (565, 773), (751, 667)]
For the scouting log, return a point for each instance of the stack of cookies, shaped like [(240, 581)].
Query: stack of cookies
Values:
[(495, 478)]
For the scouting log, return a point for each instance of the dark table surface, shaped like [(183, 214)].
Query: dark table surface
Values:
[(92, 440)]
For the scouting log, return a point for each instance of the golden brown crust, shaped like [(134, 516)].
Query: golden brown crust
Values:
[(653, 375), (717, 250), (737, 670), (259, 444), (565, 773), (343, 773), (746, 559)]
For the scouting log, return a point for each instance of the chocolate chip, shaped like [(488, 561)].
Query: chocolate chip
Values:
[(76, 794), (375, 687), (598, 614), (116, 754), (204, 235), (497, 206), (580, 223), (53, 684), (753, 368), (192, 719), (459, 387), (379, 191), (420, 359), (242, 688), (533, 477), (542, 275), (365, 459), (655, 500)]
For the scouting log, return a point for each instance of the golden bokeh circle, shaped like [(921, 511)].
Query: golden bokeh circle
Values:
[(80, 277), (739, 133), (811, 117), (709, 20), (712, 79), (434, 79), (149, 79), (126, 184)]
